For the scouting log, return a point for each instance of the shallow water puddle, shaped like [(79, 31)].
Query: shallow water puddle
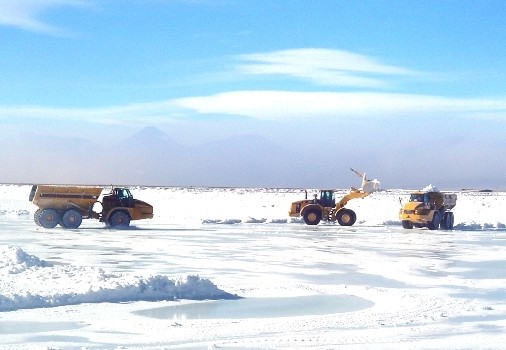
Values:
[(20, 327), (260, 307)]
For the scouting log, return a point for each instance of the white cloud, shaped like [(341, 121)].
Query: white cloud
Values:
[(322, 66), (271, 105), (26, 14), (126, 114)]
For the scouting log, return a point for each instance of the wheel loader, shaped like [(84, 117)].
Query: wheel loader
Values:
[(431, 209), (326, 207), (69, 205)]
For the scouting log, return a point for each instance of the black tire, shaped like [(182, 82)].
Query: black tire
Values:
[(451, 221), (36, 216), (312, 216), (434, 224), (119, 219), (407, 224), (71, 219), (447, 222), (346, 217), (49, 218)]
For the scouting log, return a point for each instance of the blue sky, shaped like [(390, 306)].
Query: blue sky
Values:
[(354, 75)]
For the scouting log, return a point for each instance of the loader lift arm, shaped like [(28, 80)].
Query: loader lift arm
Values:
[(353, 194)]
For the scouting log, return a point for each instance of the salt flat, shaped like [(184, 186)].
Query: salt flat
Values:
[(171, 282)]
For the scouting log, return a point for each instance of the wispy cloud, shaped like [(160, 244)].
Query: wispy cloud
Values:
[(272, 105), (27, 14), (126, 114), (323, 67)]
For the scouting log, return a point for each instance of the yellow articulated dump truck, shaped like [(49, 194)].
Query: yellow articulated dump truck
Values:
[(328, 208), (431, 209), (69, 205)]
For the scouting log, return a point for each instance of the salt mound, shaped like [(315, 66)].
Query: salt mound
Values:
[(430, 188), (14, 260), (28, 282), (371, 186)]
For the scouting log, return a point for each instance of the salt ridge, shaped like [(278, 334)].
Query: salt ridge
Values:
[(29, 282)]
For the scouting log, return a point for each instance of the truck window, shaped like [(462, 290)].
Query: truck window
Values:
[(416, 198), (124, 193)]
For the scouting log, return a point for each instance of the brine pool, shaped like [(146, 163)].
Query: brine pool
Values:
[(260, 307)]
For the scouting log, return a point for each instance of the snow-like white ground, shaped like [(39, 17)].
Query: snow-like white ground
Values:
[(173, 282)]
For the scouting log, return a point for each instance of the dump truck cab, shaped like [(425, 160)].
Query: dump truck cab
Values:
[(433, 200), (119, 197), (119, 207)]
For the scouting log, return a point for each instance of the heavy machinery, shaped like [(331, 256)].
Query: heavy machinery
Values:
[(429, 208), (69, 205), (327, 208)]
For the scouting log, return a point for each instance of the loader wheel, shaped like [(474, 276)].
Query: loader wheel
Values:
[(447, 222), (119, 219), (36, 216), (434, 224), (71, 219), (49, 218), (407, 224), (346, 217), (312, 216)]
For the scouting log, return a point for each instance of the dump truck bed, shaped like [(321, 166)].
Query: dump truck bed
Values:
[(449, 200), (62, 197)]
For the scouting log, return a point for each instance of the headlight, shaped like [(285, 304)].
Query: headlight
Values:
[(422, 211)]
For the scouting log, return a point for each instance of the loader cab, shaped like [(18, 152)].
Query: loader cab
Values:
[(327, 198)]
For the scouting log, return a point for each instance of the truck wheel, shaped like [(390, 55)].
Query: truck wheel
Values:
[(434, 224), (71, 219), (312, 216), (119, 219), (407, 224), (49, 218), (36, 216), (346, 217), (451, 221), (447, 222)]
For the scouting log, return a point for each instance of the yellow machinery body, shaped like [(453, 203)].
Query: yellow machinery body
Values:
[(328, 208), (429, 209), (68, 205)]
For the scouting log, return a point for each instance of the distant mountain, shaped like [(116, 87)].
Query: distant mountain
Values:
[(148, 157), (31, 157), (144, 158), (243, 144), (243, 160), (150, 137)]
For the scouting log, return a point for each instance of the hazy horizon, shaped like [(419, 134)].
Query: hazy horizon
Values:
[(302, 91)]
